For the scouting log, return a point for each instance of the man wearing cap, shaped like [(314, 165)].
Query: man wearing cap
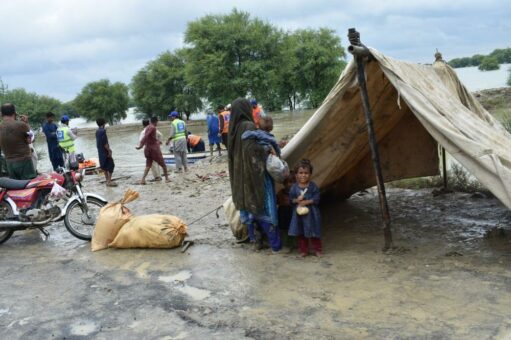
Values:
[(50, 130), (178, 137), (256, 112), (14, 142), (66, 138)]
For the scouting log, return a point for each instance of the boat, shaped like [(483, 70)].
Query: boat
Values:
[(192, 157)]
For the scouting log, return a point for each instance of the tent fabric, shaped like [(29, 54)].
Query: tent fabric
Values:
[(415, 108)]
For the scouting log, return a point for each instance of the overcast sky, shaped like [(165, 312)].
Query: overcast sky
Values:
[(55, 47)]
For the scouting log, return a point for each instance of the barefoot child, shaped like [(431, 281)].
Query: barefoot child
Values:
[(306, 219)]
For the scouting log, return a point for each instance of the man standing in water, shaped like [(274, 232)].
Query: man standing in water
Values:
[(152, 151), (14, 141), (50, 130), (178, 137)]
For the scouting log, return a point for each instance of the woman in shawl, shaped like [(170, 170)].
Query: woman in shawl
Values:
[(253, 191)]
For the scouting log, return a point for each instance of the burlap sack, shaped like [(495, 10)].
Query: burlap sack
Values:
[(232, 215), (151, 231), (111, 218)]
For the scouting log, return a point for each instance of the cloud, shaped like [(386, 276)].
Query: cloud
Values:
[(55, 47)]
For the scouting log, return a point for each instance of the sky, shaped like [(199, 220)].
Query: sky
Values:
[(55, 47)]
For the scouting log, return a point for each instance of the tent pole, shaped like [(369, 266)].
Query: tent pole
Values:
[(360, 52), (444, 168)]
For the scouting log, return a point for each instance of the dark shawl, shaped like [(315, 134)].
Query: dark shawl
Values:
[(246, 161)]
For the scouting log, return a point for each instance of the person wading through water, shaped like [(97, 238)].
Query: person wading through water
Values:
[(253, 190), (152, 151)]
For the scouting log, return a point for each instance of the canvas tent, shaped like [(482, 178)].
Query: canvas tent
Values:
[(415, 108)]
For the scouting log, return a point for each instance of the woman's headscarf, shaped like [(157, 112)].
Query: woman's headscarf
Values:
[(246, 160)]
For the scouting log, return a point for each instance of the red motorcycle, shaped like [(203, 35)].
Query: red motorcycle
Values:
[(31, 204)]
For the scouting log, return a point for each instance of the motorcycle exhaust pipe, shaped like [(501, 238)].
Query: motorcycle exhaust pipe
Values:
[(5, 225)]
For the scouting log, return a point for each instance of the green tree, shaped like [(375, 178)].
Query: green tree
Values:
[(503, 55), (489, 64), (509, 78), (29, 103), (161, 86), (320, 60), (231, 56), (102, 99)]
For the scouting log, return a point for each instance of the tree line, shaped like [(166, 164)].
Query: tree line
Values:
[(234, 55), (225, 56), (488, 62)]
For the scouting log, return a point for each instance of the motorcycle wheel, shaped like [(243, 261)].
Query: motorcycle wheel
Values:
[(5, 235), (80, 224)]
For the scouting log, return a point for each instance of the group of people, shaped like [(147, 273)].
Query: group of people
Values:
[(295, 213)]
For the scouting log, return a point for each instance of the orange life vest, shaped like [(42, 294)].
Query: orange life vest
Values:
[(226, 116), (193, 140), (256, 115)]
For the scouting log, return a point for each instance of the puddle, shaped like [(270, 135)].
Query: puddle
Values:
[(179, 277), (195, 293), (84, 328)]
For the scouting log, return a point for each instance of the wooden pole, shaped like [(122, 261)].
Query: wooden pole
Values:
[(360, 52), (444, 168)]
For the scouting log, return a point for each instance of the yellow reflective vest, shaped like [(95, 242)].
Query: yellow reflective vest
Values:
[(179, 129), (65, 140)]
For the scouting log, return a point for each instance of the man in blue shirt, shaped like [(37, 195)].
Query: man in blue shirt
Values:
[(50, 130)]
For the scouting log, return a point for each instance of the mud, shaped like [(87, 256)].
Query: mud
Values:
[(449, 277)]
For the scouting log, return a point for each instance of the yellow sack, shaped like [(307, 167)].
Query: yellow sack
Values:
[(151, 231), (111, 218), (232, 215)]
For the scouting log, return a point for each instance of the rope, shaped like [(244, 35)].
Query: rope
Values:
[(208, 213)]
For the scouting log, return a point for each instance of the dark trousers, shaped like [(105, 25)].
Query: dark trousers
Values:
[(200, 147), (303, 244), (56, 158)]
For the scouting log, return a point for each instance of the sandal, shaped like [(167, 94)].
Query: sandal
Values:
[(111, 184), (141, 182)]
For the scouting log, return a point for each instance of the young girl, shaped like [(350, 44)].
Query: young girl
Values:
[(306, 219)]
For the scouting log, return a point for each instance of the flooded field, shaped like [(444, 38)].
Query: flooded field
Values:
[(123, 140)]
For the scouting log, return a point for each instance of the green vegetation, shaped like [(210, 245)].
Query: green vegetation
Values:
[(509, 78), (161, 87), (234, 55), (485, 63), (103, 99), (29, 103)]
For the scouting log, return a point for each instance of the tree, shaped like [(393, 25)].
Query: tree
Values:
[(509, 78), (161, 86), (319, 63), (231, 56), (103, 99), (29, 103), (489, 64)]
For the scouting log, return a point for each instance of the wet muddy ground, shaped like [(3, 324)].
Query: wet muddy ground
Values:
[(450, 276)]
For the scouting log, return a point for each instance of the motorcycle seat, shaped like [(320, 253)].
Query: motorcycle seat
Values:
[(13, 184)]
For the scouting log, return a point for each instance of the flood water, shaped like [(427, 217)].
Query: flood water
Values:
[(128, 159)]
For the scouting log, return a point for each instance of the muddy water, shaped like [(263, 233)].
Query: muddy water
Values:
[(130, 160), (449, 278)]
